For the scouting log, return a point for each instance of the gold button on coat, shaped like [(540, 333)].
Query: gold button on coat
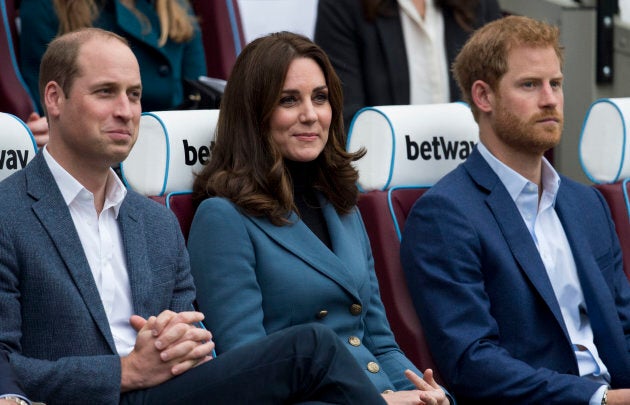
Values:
[(354, 341), (322, 314), (355, 309), (373, 367)]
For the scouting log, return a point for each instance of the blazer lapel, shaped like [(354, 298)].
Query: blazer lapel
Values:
[(390, 33), (51, 210), (298, 239), (134, 241), (514, 231)]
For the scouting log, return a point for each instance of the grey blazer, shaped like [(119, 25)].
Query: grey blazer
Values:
[(52, 320)]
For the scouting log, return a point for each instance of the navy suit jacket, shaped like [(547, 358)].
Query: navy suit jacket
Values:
[(8, 381), (53, 322), (370, 57), (486, 303), (255, 278)]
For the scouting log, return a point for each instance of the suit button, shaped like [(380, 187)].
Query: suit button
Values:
[(322, 314), (355, 309), (354, 341), (373, 367)]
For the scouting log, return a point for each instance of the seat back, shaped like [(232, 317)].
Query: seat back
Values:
[(14, 95), (17, 145), (172, 147), (604, 150), (409, 148), (222, 34), (384, 214)]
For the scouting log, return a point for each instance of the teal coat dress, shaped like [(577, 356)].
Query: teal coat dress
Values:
[(162, 68), (254, 278)]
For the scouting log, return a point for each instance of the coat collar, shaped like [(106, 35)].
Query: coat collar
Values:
[(514, 230), (298, 239)]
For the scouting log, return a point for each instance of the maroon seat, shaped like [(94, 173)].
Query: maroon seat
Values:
[(182, 206), (384, 214), (222, 34), (616, 194), (14, 95)]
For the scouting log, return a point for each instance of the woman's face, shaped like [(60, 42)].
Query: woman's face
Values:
[(300, 122)]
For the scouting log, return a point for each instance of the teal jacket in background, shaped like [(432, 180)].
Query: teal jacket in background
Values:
[(162, 68)]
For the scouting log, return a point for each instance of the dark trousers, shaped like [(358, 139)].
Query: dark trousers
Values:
[(305, 363), (8, 381)]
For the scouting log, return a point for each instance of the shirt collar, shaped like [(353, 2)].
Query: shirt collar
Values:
[(517, 184), (71, 189)]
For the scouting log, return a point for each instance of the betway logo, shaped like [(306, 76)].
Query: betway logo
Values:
[(438, 149), (192, 154), (13, 159)]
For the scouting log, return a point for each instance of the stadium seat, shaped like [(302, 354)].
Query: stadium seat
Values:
[(172, 146), (17, 145), (222, 34), (604, 150), (409, 148), (14, 95)]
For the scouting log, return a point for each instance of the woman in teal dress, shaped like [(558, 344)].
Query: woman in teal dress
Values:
[(277, 239)]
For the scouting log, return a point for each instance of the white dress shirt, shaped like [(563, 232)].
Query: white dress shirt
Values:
[(426, 53), (102, 244), (546, 230)]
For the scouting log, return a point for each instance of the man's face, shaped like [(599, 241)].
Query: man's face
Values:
[(527, 113), (98, 120)]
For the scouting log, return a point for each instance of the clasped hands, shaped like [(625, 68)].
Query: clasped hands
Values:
[(167, 345)]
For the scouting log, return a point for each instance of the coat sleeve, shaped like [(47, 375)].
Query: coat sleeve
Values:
[(223, 265), (39, 25)]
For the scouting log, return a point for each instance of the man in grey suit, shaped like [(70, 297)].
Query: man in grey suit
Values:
[(95, 289)]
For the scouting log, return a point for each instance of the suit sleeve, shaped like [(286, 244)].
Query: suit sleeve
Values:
[(442, 256), (337, 32), (223, 265), (49, 380)]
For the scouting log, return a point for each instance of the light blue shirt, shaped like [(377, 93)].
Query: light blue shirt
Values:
[(546, 230)]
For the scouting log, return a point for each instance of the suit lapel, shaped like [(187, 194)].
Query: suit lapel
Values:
[(134, 242), (298, 239), (514, 231), (51, 210), (389, 31)]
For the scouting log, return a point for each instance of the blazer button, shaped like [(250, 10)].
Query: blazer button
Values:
[(373, 367), (354, 341), (355, 309), (322, 314)]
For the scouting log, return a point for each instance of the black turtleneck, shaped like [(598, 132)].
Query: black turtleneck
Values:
[(303, 176)]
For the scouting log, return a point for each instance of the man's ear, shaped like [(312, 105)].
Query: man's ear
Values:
[(483, 96), (53, 97)]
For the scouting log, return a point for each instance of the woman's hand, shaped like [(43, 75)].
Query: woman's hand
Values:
[(428, 392)]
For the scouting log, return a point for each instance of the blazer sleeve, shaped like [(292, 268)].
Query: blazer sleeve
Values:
[(337, 32), (99, 375), (442, 258), (223, 265)]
